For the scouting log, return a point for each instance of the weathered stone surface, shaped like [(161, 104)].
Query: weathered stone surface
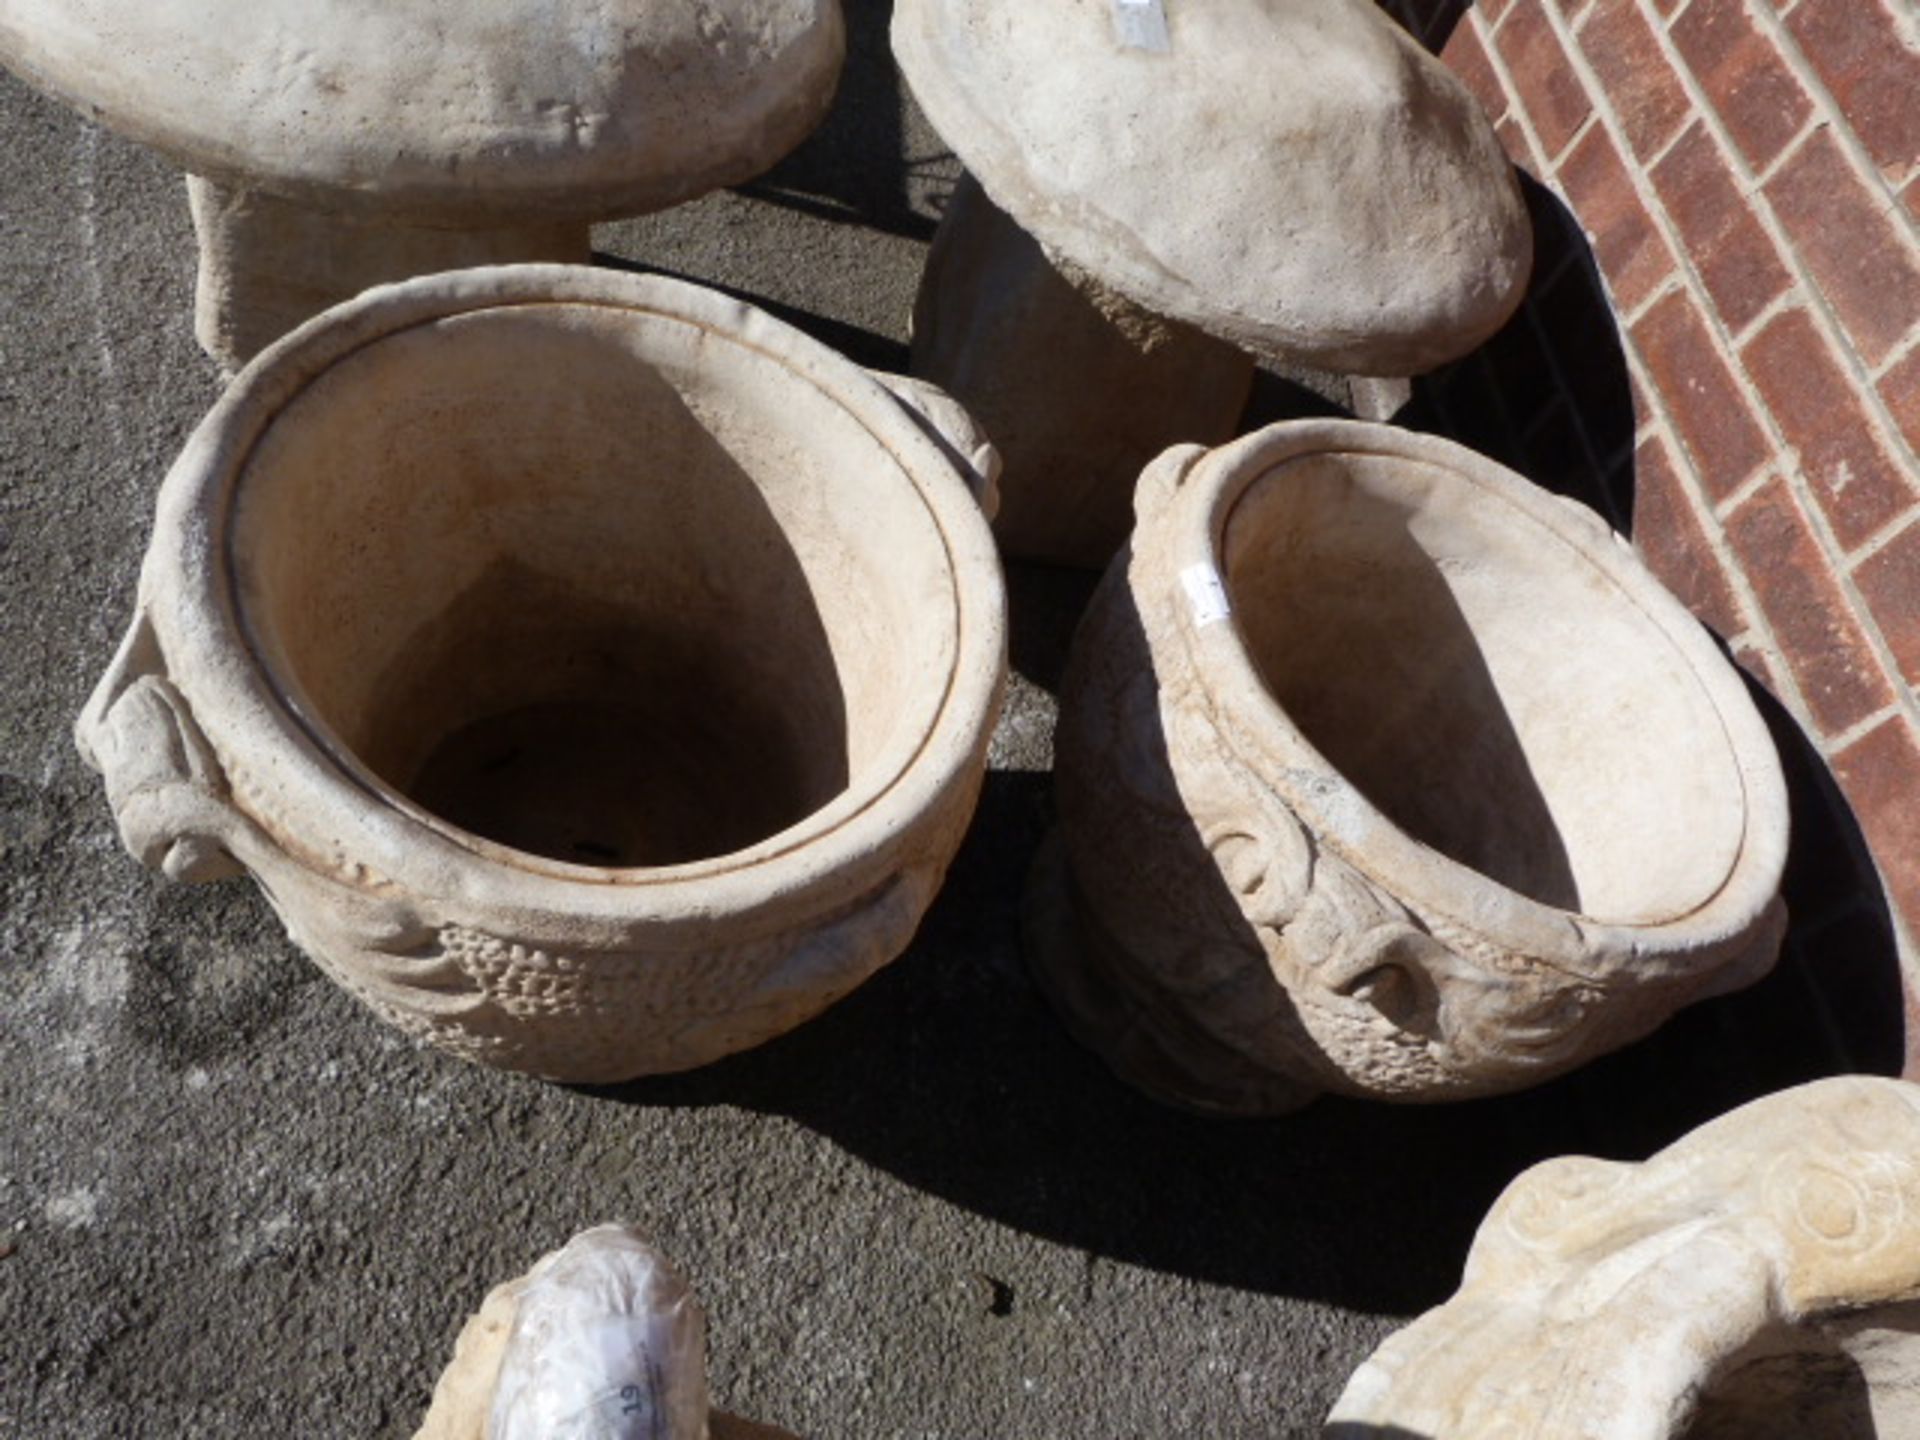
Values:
[(1079, 387), (1294, 176), (411, 137), (1382, 771), (1759, 1279), (596, 673), (268, 264), (529, 111)]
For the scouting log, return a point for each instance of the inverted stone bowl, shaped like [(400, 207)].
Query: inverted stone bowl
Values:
[(333, 145), (595, 672), (1381, 770), (1167, 190)]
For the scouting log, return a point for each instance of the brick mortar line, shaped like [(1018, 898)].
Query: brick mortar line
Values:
[(1825, 101), (1524, 120), (1858, 730), (1759, 629), (1901, 352), (1668, 285), (1660, 152), (1641, 182), (1794, 297), (1753, 484), (1763, 177), (1884, 536), (1761, 209), (1793, 476)]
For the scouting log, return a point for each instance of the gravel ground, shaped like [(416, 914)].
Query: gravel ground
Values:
[(232, 1204)]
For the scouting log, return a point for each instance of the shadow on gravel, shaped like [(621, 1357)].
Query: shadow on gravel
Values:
[(948, 1071), (862, 346), (854, 168)]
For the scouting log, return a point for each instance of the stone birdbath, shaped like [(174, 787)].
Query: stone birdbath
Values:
[(1757, 1280), (1160, 191), (330, 147)]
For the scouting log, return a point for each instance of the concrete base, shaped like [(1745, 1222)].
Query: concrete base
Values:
[(267, 264), (1078, 387)]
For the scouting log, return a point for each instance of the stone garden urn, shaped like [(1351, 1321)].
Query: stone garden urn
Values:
[(1758, 1280), (1160, 191), (594, 672), (330, 146), (1382, 771)]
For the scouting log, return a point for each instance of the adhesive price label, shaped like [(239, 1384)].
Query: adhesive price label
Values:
[(1206, 596), (1141, 24)]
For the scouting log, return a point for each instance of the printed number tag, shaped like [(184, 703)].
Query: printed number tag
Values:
[(1205, 594), (1141, 24)]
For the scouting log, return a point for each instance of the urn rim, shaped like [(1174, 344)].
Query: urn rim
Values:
[(360, 828), (1430, 881)]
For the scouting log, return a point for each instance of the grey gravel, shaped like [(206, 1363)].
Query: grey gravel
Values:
[(232, 1204)]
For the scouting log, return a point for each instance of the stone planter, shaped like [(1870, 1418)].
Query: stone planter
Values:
[(594, 672), (1758, 1280), (1382, 771)]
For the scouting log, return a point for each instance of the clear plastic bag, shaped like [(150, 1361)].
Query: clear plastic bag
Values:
[(608, 1343)]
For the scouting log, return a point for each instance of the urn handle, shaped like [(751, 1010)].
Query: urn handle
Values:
[(168, 792), (957, 433), (1162, 479)]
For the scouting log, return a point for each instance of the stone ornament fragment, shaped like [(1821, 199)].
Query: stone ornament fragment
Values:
[(1382, 771), (1758, 1280), (594, 672), (1292, 178), (333, 146), (601, 1340)]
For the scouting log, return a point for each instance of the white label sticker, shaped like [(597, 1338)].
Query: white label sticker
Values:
[(1205, 594), (1141, 24)]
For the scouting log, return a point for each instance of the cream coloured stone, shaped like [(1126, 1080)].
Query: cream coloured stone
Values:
[(1076, 384), (1382, 771), (1757, 1280), (1296, 178), (373, 131), (595, 673)]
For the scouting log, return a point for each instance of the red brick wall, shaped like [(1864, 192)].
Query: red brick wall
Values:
[(1745, 176)]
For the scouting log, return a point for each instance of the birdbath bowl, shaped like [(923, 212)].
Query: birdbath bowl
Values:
[(1160, 192), (332, 146), (594, 671)]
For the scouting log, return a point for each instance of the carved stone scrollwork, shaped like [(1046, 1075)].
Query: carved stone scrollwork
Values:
[(1758, 1279), (1239, 924)]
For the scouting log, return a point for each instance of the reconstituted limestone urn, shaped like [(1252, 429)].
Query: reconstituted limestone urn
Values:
[(1160, 190), (594, 672), (333, 146), (1383, 771), (1757, 1280)]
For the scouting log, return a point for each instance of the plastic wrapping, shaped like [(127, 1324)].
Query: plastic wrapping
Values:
[(608, 1343)]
